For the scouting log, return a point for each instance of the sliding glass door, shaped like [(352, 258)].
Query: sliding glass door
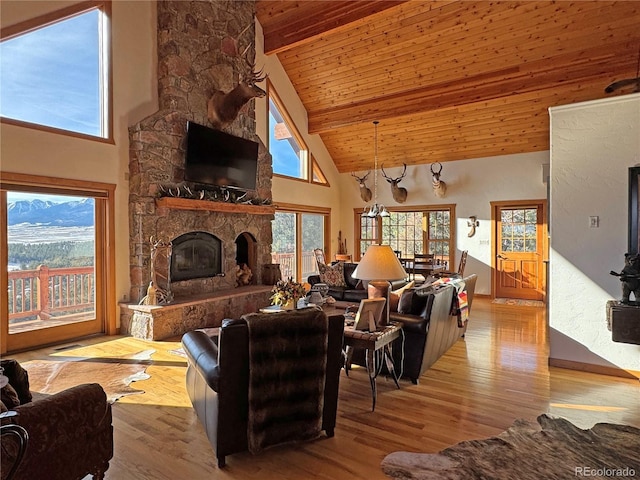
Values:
[(54, 258), (297, 231)]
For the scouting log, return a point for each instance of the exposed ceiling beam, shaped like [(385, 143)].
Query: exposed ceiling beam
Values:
[(299, 22)]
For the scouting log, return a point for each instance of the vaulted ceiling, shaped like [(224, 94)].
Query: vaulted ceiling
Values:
[(448, 80)]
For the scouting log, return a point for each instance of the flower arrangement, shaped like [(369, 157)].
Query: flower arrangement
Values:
[(287, 291)]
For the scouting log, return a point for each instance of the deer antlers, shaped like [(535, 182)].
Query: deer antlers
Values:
[(399, 193), (223, 108), (365, 192)]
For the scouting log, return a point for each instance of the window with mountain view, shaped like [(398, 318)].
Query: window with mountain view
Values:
[(55, 74), (55, 255), (51, 260)]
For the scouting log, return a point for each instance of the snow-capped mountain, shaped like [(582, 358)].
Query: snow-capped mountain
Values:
[(76, 213)]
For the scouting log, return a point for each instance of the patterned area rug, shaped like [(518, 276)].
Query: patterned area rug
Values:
[(114, 375), (517, 302), (554, 449)]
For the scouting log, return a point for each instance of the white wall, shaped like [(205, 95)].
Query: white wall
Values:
[(593, 144), (30, 151), (471, 186)]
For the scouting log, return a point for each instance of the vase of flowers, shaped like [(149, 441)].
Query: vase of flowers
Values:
[(286, 293)]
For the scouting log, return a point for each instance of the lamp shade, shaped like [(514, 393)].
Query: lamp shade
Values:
[(379, 263)]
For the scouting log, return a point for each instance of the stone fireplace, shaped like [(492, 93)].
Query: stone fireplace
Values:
[(198, 48)]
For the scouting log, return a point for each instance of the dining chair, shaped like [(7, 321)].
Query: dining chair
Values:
[(461, 265), (422, 263), (319, 254)]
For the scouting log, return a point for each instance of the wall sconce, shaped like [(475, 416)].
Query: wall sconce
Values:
[(472, 223)]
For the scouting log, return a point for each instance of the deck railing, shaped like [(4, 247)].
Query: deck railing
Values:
[(46, 292), (287, 263)]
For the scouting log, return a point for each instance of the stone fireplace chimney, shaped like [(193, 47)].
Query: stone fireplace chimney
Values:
[(198, 45)]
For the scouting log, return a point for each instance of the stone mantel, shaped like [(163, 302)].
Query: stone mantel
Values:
[(177, 203)]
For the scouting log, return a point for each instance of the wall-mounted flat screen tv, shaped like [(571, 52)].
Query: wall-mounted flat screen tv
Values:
[(219, 159)]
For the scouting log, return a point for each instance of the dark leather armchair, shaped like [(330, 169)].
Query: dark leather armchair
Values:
[(222, 379), (69, 436)]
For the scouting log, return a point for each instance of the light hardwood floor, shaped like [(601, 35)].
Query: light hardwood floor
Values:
[(496, 374)]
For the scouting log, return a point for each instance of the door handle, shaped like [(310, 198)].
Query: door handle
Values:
[(501, 257)]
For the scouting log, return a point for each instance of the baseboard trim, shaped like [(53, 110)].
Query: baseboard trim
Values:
[(592, 368)]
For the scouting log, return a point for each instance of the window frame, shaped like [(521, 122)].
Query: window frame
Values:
[(106, 73), (311, 167), (299, 210), (424, 210), (105, 298)]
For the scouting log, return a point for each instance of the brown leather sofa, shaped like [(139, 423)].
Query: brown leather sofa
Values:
[(220, 379), (430, 334), (70, 436)]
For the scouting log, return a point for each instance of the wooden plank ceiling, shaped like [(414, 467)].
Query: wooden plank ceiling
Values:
[(448, 80)]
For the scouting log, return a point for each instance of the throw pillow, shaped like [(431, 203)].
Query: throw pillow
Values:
[(394, 296), (404, 305), (419, 304), (348, 269), (413, 304), (3, 407), (332, 275)]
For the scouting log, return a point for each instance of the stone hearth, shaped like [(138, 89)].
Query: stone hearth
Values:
[(198, 45)]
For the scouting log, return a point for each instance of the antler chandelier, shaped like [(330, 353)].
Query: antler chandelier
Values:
[(375, 210)]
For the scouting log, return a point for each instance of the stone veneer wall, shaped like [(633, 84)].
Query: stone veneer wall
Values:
[(198, 49)]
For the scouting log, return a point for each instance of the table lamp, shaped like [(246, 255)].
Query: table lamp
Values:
[(379, 265)]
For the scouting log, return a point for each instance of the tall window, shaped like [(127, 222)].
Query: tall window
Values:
[(289, 153), (55, 73), (423, 230), (297, 231), (57, 275)]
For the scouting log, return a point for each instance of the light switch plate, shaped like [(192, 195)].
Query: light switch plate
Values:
[(594, 221)]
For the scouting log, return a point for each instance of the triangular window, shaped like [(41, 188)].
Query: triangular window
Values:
[(316, 173)]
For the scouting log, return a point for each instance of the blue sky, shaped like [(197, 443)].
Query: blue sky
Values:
[(17, 196), (285, 159), (50, 76)]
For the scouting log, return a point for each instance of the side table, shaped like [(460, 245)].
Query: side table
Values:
[(373, 342)]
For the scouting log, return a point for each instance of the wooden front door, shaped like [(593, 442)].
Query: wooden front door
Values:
[(520, 246)]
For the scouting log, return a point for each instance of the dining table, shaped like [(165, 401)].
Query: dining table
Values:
[(424, 269)]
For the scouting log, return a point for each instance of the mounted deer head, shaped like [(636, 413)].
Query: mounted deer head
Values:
[(399, 193), (365, 192), (439, 187), (223, 108)]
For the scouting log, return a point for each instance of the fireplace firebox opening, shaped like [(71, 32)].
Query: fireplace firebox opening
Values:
[(246, 258), (196, 255)]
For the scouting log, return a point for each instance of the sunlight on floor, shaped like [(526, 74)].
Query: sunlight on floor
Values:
[(589, 408)]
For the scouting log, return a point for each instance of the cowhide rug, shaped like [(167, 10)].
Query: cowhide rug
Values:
[(554, 449), (114, 375)]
